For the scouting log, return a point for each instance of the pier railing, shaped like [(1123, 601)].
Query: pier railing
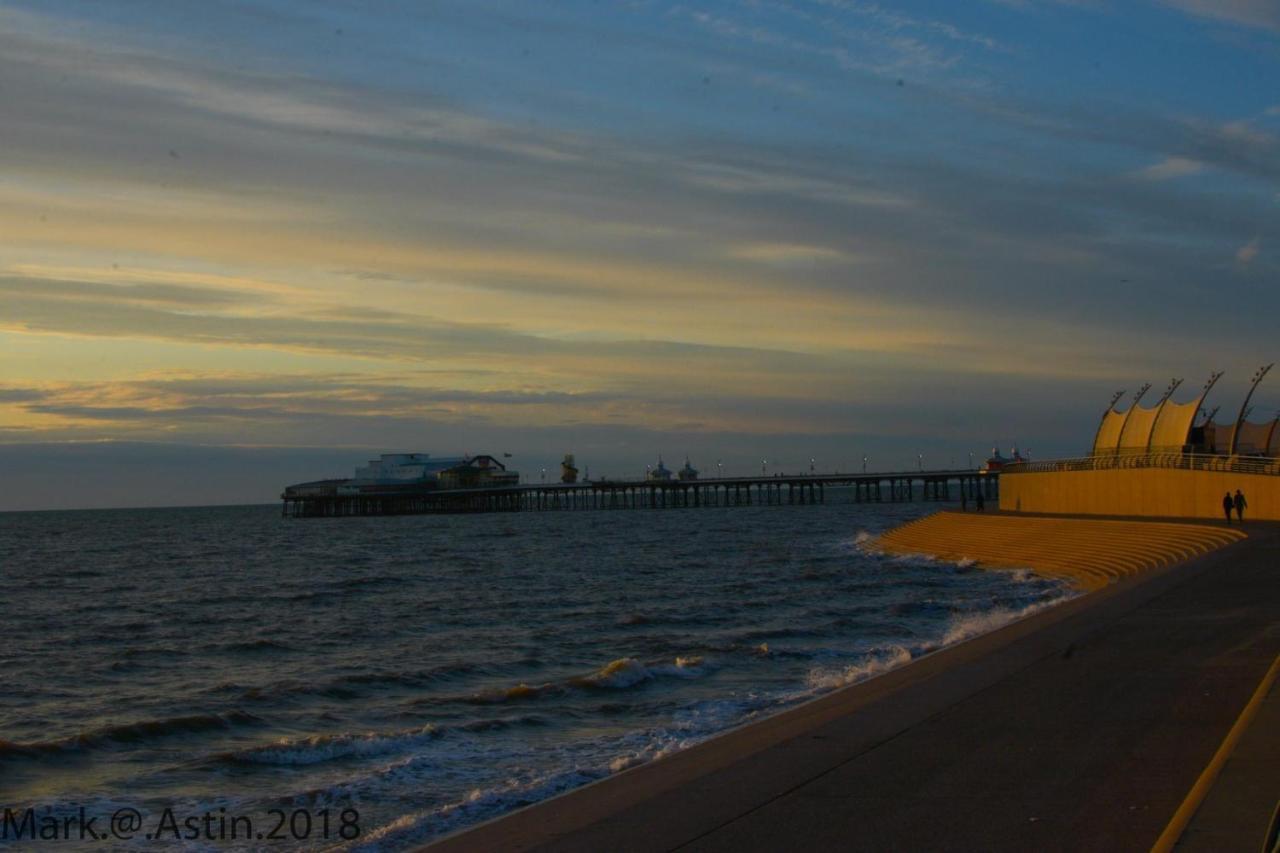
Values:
[(1172, 460)]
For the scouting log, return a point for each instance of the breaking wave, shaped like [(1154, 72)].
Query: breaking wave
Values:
[(977, 624), (875, 664)]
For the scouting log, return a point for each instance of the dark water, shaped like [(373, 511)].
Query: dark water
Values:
[(431, 672)]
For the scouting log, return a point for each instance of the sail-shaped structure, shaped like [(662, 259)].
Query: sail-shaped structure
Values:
[(1162, 428)]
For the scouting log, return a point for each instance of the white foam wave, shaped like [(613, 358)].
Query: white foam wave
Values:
[(318, 748), (620, 674), (913, 559), (413, 829), (977, 624), (960, 629), (823, 679), (692, 666)]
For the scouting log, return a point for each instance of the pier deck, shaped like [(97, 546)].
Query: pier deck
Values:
[(942, 485), (1081, 728)]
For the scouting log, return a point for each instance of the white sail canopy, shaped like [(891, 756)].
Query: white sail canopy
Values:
[(1137, 429), (1172, 429)]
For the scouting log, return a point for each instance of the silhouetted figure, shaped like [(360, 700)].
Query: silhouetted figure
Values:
[(1227, 505), (980, 503), (1240, 503)]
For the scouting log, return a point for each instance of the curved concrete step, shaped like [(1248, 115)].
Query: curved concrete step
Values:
[(1091, 552)]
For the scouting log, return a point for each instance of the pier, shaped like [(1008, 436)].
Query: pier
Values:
[(328, 499)]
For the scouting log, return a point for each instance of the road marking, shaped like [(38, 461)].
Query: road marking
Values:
[(1200, 789)]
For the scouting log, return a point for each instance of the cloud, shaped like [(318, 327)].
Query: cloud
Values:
[(1246, 254), (1172, 167), (824, 254), (1264, 14), (786, 254)]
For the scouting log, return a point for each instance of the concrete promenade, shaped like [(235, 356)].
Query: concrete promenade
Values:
[(1081, 728)]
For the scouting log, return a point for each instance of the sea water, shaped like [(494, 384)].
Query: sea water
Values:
[(426, 673)]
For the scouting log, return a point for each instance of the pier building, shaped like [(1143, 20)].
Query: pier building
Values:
[(407, 473)]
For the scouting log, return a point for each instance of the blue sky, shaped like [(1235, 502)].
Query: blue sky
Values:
[(725, 229)]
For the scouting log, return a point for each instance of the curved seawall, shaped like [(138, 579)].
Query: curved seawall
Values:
[(1090, 552)]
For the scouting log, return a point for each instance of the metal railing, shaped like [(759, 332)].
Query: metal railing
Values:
[(1170, 459)]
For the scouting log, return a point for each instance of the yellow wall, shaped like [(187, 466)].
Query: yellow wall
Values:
[(1139, 491)]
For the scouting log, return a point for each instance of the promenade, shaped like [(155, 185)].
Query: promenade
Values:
[(1083, 727)]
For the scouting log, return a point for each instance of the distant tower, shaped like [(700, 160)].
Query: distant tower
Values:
[(688, 472), (568, 470)]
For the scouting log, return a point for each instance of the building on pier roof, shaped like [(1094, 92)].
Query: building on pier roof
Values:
[(662, 472), (401, 472)]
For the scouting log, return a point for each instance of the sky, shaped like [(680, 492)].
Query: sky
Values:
[(246, 244)]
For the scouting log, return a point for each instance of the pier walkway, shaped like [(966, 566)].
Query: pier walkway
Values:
[(327, 499), (1083, 727)]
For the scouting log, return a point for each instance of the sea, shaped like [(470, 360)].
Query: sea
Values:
[(375, 683)]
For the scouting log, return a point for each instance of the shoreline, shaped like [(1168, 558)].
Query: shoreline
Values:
[(711, 785)]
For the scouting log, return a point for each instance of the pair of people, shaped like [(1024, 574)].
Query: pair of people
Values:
[(1238, 503)]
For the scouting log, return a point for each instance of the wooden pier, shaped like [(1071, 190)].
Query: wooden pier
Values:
[(321, 500)]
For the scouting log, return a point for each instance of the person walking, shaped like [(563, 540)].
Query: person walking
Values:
[(1240, 503), (1228, 504)]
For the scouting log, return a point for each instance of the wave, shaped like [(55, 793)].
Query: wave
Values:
[(252, 646), (688, 726), (620, 674), (375, 580), (692, 725), (412, 830), (319, 748), (126, 733), (351, 686), (754, 636), (968, 627), (960, 629), (617, 675), (875, 664)]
